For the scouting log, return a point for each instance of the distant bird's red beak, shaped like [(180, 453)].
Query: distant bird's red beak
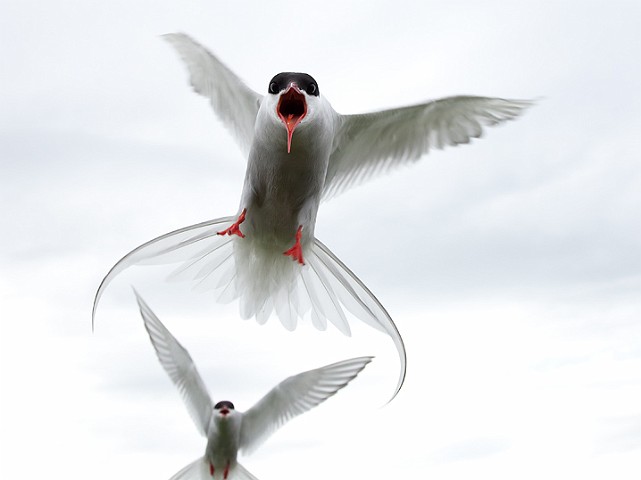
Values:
[(224, 411), (291, 109)]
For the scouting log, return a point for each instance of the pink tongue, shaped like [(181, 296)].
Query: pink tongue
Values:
[(291, 121)]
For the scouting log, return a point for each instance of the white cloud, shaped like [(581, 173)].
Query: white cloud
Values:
[(510, 265)]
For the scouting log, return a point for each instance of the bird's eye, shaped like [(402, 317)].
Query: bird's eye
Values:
[(273, 88), (311, 90)]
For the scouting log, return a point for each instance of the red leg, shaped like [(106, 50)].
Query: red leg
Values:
[(235, 228), (211, 469), (296, 252), (226, 471)]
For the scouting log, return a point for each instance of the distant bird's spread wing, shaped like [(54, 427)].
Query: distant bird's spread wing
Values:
[(234, 102), (293, 396), (371, 142), (179, 366)]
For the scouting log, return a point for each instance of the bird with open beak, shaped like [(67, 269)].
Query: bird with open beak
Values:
[(292, 105), (229, 431), (299, 151)]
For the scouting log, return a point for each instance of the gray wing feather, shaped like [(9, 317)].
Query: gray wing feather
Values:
[(179, 366), (293, 396), (371, 142), (234, 102)]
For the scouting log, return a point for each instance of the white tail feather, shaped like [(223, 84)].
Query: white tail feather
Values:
[(264, 280), (199, 470), (240, 473), (196, 470)]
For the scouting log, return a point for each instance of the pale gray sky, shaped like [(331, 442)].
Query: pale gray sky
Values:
[(511, 266)]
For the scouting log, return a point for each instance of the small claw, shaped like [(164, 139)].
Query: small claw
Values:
[(296, 252), (235, 228)]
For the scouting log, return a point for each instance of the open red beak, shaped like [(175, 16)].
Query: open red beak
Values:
[(291, 109), (224, 411)]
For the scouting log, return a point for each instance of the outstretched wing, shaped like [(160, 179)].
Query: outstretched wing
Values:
[(371, 142), (234, 102), (293, 396), (179, 366)]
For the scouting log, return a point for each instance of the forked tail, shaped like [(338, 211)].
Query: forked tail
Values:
[(264, 280)]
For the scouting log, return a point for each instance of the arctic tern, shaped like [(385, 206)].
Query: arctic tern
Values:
[(228, 430), (300, 151)]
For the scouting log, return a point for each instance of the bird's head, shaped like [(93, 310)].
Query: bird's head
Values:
[(294, 95), (224, 408)]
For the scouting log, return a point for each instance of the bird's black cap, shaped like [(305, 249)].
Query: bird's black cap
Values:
[(224, 403), (302, 80)]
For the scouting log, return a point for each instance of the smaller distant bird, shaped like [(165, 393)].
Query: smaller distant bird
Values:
[(229, 431)]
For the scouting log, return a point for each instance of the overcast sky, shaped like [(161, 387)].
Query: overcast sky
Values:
[(511, 266)]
